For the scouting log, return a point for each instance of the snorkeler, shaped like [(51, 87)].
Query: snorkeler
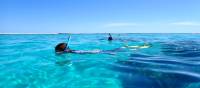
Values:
[(110, 37), (63, 48)]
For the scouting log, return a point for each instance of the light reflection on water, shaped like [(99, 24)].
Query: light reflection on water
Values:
[(173, 61)]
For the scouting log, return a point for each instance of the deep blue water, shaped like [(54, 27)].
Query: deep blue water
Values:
[(172, 61)]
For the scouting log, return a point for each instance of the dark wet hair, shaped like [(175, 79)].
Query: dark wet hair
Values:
[(59, 47)]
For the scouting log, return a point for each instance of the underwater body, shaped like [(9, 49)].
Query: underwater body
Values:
[(171, 61)]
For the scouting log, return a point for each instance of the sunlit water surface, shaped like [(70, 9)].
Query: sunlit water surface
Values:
[(172, 61)]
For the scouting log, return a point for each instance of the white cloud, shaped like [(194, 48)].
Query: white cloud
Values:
[(121, 24), (186, 23)]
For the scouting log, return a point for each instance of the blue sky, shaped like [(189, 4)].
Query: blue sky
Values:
[(100, 16)]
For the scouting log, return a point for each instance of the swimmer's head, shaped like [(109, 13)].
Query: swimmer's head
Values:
[(110, 37), (60, 47)]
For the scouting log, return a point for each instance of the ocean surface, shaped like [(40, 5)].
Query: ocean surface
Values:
[(29, 61)]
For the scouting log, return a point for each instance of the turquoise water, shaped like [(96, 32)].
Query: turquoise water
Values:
[(29, 61)]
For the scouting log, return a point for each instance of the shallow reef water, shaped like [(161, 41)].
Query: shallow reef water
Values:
[(171, 61)]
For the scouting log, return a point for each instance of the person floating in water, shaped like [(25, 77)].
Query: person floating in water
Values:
[(63, 48), (110, 37)]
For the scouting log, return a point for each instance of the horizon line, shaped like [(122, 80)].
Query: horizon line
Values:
[(115, 33)]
